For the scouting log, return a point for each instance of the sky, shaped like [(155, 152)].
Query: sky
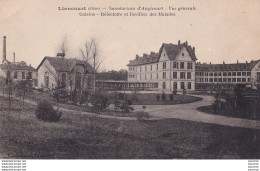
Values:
[(220, 30)]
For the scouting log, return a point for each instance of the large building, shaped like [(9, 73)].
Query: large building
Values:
[(172, 68), (71, 73), (226, 76), (175, 67), (16, 71)]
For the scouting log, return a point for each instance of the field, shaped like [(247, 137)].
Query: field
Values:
[(73, 137)]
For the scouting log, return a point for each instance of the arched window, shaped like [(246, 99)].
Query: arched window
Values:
[(78, 80), (63, 79), (46, 79)]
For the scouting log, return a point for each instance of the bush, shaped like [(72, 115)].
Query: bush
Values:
[(171, 97), (140, 116), (163, 97), (184, 91), (99, 102), (46, 112), (125, 106), (174, 92), (157, 97)]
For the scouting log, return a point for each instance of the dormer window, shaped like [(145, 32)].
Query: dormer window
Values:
[(182, 54)]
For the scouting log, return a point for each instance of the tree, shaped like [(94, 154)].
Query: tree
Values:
[(24, 87), (90, 55)]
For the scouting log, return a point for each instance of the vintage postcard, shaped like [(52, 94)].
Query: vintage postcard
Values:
[(129, 79)]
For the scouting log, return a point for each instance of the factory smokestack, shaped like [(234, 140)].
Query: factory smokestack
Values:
[(4, 49), (14, 57)]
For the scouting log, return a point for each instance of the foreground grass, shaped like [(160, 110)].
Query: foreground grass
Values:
[(73, 137)]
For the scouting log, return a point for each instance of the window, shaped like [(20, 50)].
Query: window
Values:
[(238, 79), (23, 75), (219, 74), (182, 65), (189, 85), (215, 80), (224, 79), (234, 74), (211, 74), (229, 73), (164, 85), (182, 75), (224, 74), (219, 79), (15, 74), (78, 80), (248, 80), (248, 73), (29, 75), (188, 75), (238, 73), (189, 66), (174, 75), (229, 80), (215, 74), (175, 65), (164, 65), (211, 80), (63, 79), (182, 85), (233, 80), (164, 75), (156, 66), (175, 86), (243, 79), (243, 73), (182, 54), (46, 79), (151, 67)]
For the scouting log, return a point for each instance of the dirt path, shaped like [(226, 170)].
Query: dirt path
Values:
[(180, 111)]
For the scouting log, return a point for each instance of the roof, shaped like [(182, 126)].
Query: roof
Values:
[(66, 65), (146, 59), (226, 67), (17, 66), (172, 51)]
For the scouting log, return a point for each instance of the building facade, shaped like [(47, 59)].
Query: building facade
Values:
[(172, 68), (16, 71), (227, 76), (73, 74)]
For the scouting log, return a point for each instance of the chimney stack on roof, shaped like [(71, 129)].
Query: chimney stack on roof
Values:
[(237, 62), (14, 56), (193, 49), (179, 42), (137, 57), (186, 43), (224, 62), (61, 54), (4, 49)]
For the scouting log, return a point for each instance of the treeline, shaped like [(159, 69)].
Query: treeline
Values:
[(112, 75)]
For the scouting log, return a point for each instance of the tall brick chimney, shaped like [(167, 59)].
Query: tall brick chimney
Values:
[(4, 49), (14, 56)]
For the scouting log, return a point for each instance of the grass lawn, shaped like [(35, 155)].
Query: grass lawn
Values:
[(150, 99), (73, 137), (229, 113)]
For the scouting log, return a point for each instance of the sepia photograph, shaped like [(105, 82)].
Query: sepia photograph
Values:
[(112, 79)]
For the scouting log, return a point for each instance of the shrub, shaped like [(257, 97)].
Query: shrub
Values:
[(126, 106), (184, 91), (46, 112), (163, 97), (99, 102), (171, 97), (174, 92), (140, 115), (157, 97)]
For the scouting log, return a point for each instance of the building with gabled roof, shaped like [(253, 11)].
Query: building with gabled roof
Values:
[(173, 67), (69, 72), (16, 71), (211, 76)]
